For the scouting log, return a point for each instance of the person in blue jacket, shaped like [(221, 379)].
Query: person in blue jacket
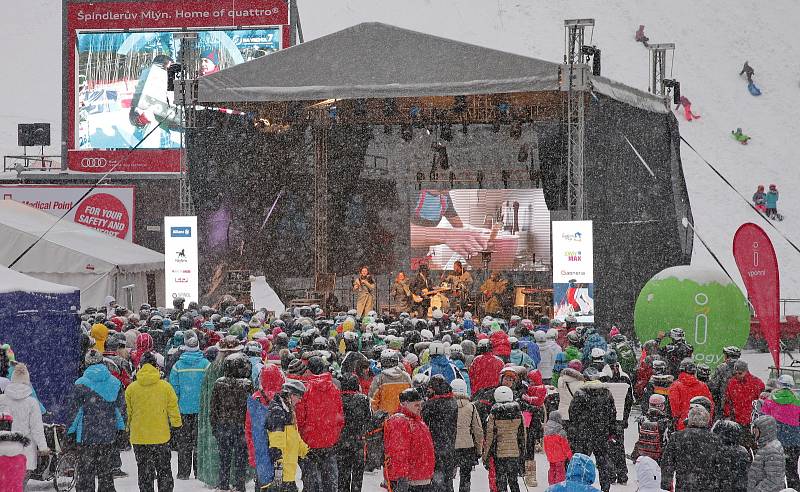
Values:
[(581, 473), (253, 352), (593, 340), (186, 378), (440, 364), (772, 202), (518, 357), (97, 410)]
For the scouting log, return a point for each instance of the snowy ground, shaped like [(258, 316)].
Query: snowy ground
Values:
[(759, 364)]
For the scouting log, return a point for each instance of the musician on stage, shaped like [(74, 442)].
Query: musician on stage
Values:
[(401, 294), (364, 285), (493, 289), (460, 282), (419, 288)]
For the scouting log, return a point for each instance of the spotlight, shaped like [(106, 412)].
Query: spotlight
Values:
[(516, 130), (406, 133), (460, 104)]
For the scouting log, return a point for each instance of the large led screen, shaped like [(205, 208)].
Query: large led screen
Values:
[(122, 82), (452, 225)]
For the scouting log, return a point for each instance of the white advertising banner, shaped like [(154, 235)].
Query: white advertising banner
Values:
[(109, 209), (180, 258), (573, 270)]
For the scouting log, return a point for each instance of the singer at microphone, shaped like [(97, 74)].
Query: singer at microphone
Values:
[(364, 286)]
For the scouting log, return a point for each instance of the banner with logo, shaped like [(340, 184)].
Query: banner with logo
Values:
[(758, 266), (180, 258), (573, 270), (711, 310), (109, 209)]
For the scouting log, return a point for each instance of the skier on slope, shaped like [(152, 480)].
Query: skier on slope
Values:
[(640, 37), (687, 108), (748, 72), (740, 136), (772, 202)]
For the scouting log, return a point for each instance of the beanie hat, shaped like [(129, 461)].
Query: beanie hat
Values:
[(740, 366), (698, 417), (459, 387), (316, 365), (658, 401), (21, 374), (92, 357), (296, 367), (576, 365), (410, 395), (294, 386), (191, 343), (411, 358)]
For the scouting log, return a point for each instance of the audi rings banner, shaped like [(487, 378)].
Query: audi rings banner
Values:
[(109, 209), (180, 258), (119, 54), (573, 270)]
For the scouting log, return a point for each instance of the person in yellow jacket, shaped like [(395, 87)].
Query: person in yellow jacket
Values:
[(152, 409), (286, 447)]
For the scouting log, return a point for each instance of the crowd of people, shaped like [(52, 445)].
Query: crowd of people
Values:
[(240, 396)]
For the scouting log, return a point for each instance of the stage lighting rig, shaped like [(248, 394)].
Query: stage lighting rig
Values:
[(676, 89), (593, 53)]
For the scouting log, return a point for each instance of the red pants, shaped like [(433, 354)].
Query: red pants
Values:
[(557, 472), (687, 112), (12, 473)]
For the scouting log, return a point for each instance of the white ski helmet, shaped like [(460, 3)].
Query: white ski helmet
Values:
[(503, 394), (459, 387), (539, 336), (436, 348), (552, 334), (427, 335), (598, 354)]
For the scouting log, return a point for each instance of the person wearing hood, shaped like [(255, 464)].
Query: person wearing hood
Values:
[(768, 472), (505, 440), (228, 407), (320, 419), (784, 406), (99, 332), (152, 407), (556, 448), (569, 381), (612, 373), (97, 409), (547, 354), (593, 341), (19, 401), (457, 359), (731, 459), (469, 349), (518, 357), (144, 345), (385, 389), (253, 351), (534, 398), (186, 379), (743, 389), (501, 347), (689, 455), (593, 423), (440, 413), (469, 435), (270, 381), (581, 473), (440, 364), (648, 475), (683, 390), (350, 448), (12, 454)]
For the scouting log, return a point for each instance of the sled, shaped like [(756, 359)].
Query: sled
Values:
[(754, 90)]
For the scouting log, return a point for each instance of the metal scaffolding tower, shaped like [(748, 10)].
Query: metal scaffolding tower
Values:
[(186, 100), (658, 67), (320, 135), (574, 81)]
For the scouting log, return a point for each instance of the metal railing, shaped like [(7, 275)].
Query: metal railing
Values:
[(20, 163)]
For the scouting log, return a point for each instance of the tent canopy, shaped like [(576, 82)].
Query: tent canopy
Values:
[(68, 247), (11, 281), (375, 60)]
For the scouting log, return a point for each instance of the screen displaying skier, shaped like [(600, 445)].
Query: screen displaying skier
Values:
[(458, 225), (122, 81)]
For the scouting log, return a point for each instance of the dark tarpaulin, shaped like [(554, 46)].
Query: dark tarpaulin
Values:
[(374, 60)]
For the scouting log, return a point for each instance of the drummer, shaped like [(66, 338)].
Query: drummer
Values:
[(460, 281)]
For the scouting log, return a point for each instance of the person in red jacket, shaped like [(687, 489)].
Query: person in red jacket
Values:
[(408, 447), (501, 345), (742, 390), (687, 108), (684, 389), (485, 368), (320, 419)]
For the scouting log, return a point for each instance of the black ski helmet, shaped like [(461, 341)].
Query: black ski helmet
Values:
[(237, 366)]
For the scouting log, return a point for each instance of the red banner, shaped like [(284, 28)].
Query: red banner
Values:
[(758, 266)]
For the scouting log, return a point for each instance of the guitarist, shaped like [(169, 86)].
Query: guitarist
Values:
[(401, 294), (419, 288), (461, 282)]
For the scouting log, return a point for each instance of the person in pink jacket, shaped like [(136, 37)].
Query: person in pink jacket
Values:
[(784, 406)]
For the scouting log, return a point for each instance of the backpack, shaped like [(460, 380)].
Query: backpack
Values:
[(373, 441), (651, 441)]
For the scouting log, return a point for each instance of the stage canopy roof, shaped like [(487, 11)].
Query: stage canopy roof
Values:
[(375, 60)]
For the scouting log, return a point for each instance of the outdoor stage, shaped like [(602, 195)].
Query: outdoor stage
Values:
[(344, 138)]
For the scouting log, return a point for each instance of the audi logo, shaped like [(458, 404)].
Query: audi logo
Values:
[(94, 162)]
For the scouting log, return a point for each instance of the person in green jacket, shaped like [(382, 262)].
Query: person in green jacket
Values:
[(739, 136), (207, 470)]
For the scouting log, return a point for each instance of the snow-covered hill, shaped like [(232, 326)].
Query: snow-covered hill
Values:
[(713, 40)]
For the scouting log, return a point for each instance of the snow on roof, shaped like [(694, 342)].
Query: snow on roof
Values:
[(68, 247), (11, 281), (629, 95)]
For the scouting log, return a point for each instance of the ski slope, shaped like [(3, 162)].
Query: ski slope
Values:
[(713, 40)]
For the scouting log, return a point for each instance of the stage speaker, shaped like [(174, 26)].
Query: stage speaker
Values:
[(33, 134)]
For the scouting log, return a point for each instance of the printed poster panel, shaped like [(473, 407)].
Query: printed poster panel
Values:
[(573, 270), (180, 258)]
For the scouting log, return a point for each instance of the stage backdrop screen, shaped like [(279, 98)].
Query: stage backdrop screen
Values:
[(573, 270), (122, 81), (451, 225)]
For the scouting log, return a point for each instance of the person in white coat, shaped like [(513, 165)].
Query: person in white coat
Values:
[(648, 475), (24, 408)]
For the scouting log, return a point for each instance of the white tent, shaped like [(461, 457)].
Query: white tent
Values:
[(73, 254)]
